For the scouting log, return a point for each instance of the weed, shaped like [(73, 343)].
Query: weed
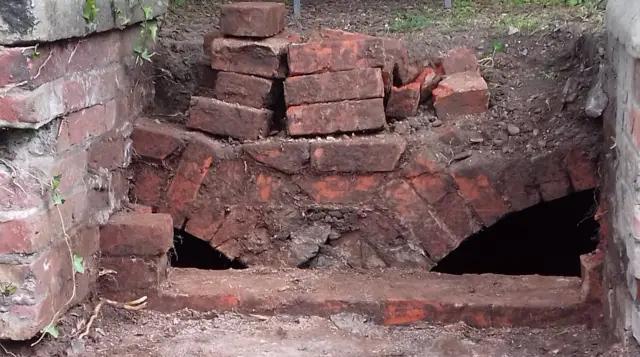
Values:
[(90, 15), (148, 32), (409, 22)]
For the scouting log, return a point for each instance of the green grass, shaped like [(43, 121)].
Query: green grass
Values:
[(523, 22), (409, 22)]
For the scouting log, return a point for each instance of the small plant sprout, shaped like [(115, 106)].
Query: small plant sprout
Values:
[(90, 14)]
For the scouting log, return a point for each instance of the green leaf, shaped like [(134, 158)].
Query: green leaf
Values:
[(55, 182), (153, 30), (497, 46), (78, 263), (51, 330), (57, 198), (9, 290), (147, 12)]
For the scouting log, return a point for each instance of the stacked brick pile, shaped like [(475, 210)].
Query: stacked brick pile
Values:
[(66, 112), (251, 60)]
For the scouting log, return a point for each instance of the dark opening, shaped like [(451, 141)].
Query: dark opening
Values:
[(546, 239), (192, 252)]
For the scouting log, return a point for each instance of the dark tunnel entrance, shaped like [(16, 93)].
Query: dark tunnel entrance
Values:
[(546, 239), (192, 252)]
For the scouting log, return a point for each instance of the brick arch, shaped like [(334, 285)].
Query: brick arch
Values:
[(385, 200)]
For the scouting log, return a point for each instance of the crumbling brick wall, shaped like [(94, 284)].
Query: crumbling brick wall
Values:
[(69, 93), (620, 210)]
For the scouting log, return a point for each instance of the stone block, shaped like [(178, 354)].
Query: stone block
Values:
[(25, 21), (460, 94)]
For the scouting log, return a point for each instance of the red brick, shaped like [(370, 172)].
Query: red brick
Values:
[(342, 189), (361, 83), (72, 166), (428, 80), (478, 188), (133, 273), (327, 34), (332, 56), (110, 153), (357, 155), (227, 119), (20, 190), (433, 187), (204, 220), (412, 212), (265, 58), (403, 102), (458, 60), (44, 284), (582, 168), (551, 177), (455, 213), (252, 19), (139, 208), (26, 235), (156, 140), (338, 117), (287, 156), (86, 124), (247, 90), (148, 184), (461, 94), (592, 274), (421, 159), (133, 233), (238, 224), (14, 66), (20, 108)]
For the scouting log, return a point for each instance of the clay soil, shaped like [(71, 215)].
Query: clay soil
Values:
[(527, 72)]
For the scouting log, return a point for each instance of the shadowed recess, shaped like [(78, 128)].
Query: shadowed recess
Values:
[(192, 252), (546, 239)]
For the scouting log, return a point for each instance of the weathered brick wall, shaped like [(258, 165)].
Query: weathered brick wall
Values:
[(336, 187), (66, 108), (621, 206)]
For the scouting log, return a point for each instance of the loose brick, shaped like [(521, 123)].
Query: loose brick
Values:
[(458, 60), (228, 119), (264, 58), (342, 189), (332, 56), (338, 117), (361, 83), (403, 102), (252, 19), (286, 156), (477, 187), (358, 155), (246, 90), (132, 233), (134, 273), (327, 34), (461, 94), (155, 140)]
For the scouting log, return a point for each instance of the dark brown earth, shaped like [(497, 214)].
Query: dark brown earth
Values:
[(555, 45)]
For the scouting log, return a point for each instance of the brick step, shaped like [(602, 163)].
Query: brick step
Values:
[(389, 297)]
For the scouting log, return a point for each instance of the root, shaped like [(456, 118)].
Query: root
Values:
[(135, 305)]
